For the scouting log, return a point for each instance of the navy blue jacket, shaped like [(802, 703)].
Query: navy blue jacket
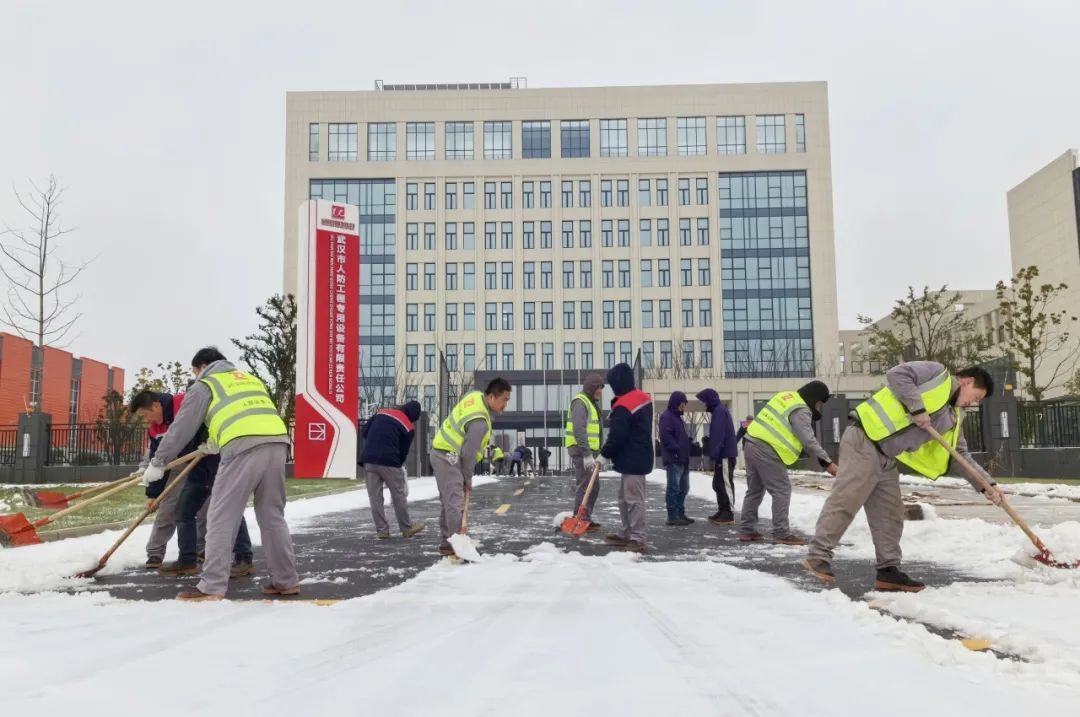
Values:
[(674, 441), (387, 439), (722, 438), (629, 441), (206, 469)]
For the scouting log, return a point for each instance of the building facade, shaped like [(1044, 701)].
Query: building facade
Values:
[(71, 390), (1044, 230), (569, 229)]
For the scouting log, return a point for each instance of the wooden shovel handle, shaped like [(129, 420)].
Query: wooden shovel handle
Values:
[(985, 485), (465, 512), (588, 491)]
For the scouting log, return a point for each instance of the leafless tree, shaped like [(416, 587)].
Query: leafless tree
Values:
[(35, 307)]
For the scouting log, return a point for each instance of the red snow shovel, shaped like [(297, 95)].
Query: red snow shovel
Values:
[(577, 524), (16, 530), (1043, 555), (55, 500), (193, 461)]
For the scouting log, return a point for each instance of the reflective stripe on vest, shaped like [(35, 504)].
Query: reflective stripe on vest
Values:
[(451, 435), (398, 416), (884, 415), (772, 425), (240, 406), (592, 425)]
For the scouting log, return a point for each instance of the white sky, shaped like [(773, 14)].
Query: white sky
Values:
[(166, 122)]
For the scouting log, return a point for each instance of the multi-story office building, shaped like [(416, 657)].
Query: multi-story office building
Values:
[(572, 228)]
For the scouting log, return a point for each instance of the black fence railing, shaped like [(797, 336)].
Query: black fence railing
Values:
[(1053, 424), (9, 440), (973, 430), (88, 444)]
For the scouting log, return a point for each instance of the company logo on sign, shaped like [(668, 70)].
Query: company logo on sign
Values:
[(316, 431), (337, 219), (337, 212)]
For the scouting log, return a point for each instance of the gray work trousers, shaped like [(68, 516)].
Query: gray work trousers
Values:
[(867, 480), (394, 479), (581, 480), (165, 522), (259, 470), (632, 507), (765, 473), (451, 483)]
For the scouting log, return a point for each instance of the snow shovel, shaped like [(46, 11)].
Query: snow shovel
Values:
[(193, 459), (56, 500), (577, 524), (1043, 555), (16, 530), (460, 541)]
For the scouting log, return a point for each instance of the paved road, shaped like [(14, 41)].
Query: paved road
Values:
[(339, 556)]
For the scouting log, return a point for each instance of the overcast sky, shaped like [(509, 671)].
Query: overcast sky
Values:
[(166, 123)]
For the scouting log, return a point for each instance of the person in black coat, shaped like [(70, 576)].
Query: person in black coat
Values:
[(388, 435), (629, 446)]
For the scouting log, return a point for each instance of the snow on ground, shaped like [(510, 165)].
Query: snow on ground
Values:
[(49, 566), (551, 634)]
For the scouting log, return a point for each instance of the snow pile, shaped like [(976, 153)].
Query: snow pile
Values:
[(560, 517)]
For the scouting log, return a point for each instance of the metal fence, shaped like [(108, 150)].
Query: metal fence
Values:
[(973, 430), (1049, 424), (82, 444), (9, 440)]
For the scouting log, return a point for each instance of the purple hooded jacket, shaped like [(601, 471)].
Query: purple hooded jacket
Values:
[(674, 441), (722, 442)]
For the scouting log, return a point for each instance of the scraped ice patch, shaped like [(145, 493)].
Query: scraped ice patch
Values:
[(317, 579)]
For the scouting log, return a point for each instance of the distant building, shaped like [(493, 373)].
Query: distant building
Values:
[(70, 389)]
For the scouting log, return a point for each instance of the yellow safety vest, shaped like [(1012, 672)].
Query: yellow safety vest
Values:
[(592, 428), (497, 454), (451, 435), (883, 415), (772, 425), (240, 406)]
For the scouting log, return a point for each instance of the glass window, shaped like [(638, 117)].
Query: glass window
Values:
[(586, 354), (491, 316), (411, 276), (411, 196), (624, 273), (608, 273), (665, 354), (662, 236), (342, 144), (609, 314), (468, 196), (451, 276), (412, 320), (429, 357), (536, 139), (702, 186), (429, 195), (652, 137), (684, 232), (490, 275), (382, 141), (459, 140), (491, 356), (468, 276), (429, 317), (567, 194), (661, 193), (705, 312), (506, 195), (624, 232), (605, 192), (429, 276), (498, 140), (606, 233), (574, 135), (613, 138), (419, 140), (451, 357), (626, 353), (545, 275), (469, 322), (489, 195), (644, 193), (528, 234), (648, 359), (647, 314), (609, 354), (468, 236), (451, 195), (706, 354), (688, 313), (429, 236), (507, 274), (800, 133), (412, 236), (547, 320), (586, 315), (508, 357), (568, 313), (687, 271), (622, 196), (624, 315), (508, 316), (412, 357), (568, 274), (586, 274), (451, 235), (688, 353), (528, 198), (545, 235), (585, 193), (469, 362), (731, 135), (684, 192), (703, 231), (530, 315), (691, 135), (645, 231), (664, 271), (584, 233), (770, 134), (530, 357), (545, 195), (646, 273), (549, 355), (451, 317), (569, 355), (313, 141), (490, 236), (507, 233), (704, 272)]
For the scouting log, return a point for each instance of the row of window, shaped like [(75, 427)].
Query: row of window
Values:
[(500, 316), (500, 195), (505, 356), (500, 275), (613, 232), (575, 138)]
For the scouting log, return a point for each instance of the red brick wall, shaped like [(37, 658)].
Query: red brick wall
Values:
[(56, 384), (95, 382), (117, 380), (15, 357)]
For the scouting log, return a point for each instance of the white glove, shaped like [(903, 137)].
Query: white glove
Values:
[(152, 474), (589, 462), (451, 458)]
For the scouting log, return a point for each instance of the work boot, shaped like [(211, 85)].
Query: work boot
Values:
[(616, 540), (241, 568), (176, 569), (196, 595), (593, 528), (635, 546), (675, 520), (685, 519), (820, 570), (152, 563), (722, 519), (750, 537), (890, 579), (790, 540), (271, 589), (446, 549), (383, 535), (413, 530)]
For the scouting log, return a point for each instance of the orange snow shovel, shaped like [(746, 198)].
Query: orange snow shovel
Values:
[(193, 460), (16, 530), (1043, 555), (577, 524), (56, 500)]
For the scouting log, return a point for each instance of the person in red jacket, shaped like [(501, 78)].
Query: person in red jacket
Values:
[(629, 446)]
